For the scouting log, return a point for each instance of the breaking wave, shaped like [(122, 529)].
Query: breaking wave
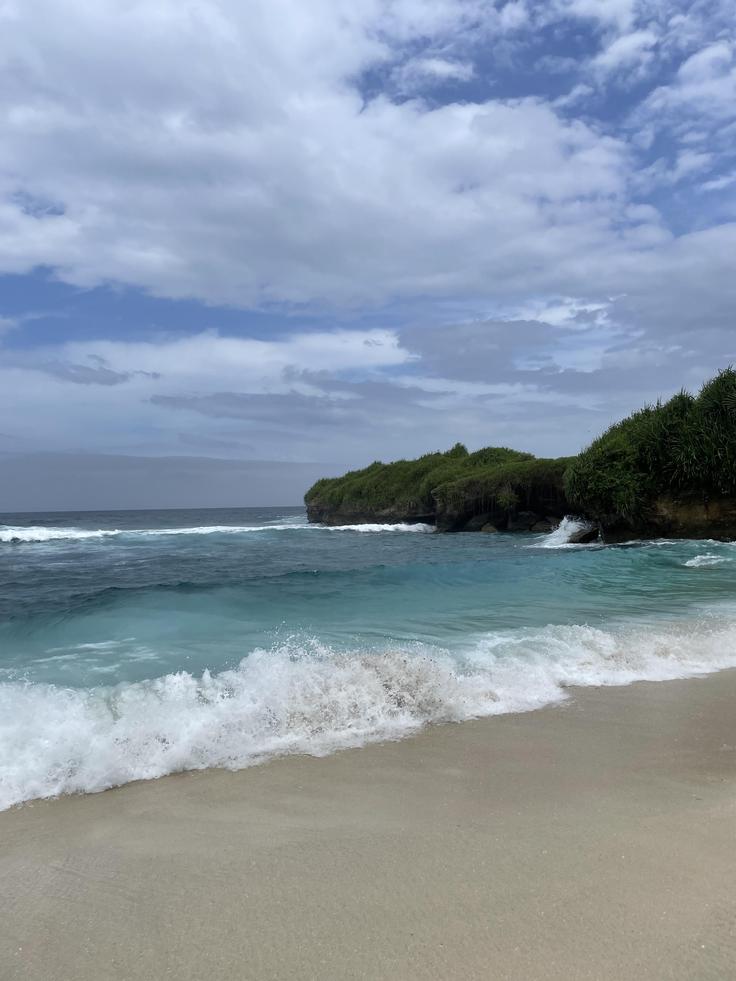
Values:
[(304, 697), (560, 537), (705, 560), (10, 534), (37, 533)]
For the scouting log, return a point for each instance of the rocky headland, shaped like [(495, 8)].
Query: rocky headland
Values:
[(667, 470)]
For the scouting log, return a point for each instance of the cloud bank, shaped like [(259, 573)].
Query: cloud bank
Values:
[(531, 206)]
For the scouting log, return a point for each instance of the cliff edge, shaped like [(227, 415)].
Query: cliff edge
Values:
[(667, 470)]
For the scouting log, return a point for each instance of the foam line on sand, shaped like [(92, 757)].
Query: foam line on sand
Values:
[(590, 840)]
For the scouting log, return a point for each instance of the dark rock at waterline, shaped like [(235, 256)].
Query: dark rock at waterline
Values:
[(544, 525), (489, 529), (349, 514), (668, 517), (477, 522), (523, 521), (584, 537), (455, 491), (665, 471)]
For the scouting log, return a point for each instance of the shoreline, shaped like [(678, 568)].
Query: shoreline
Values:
[(589, 839)]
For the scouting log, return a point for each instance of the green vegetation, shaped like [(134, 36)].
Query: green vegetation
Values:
[(507, 486), (684, 448), (450, 488), (409, 485), (682, 451)]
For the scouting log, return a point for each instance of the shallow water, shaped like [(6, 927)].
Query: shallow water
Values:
[(134, 643)]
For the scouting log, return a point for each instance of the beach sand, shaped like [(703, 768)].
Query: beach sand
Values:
[(592, 840)]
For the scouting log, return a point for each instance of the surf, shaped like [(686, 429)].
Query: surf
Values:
[(41, 534), (307, 697)]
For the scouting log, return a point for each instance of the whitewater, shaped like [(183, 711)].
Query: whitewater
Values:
[(139, 644)]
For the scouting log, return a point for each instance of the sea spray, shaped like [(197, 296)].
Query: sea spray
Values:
[(17, 535), (306, 697), (564, 532)]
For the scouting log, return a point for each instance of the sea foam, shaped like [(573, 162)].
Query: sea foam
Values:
[(699, 561), (32, 533), (560, 537), (10, 534), (304, 697)]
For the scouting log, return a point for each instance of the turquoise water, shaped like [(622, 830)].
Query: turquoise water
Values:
[(134, 644)]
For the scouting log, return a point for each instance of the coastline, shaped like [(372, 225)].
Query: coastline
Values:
[(593, 839)]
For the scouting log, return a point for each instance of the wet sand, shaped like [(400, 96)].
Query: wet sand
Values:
[(593, 840)]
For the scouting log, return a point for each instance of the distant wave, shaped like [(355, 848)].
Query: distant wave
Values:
[(33, 533), (37, 533), (369, 528), (304, 697), (706, 560)]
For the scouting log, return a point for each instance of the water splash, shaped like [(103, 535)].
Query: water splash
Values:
[(560, 537), (306, 697)]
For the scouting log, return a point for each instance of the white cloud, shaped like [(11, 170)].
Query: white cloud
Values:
[(239, 154), (705, 85), (414, 74), (686, 164), (227, 153), (718, 183), (577, 94), (627, 50), (619, 13), (112, 395), (712, 61), (566, 312), (231, 157), (211, 362)]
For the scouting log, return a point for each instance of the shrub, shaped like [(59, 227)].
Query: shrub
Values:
[(684, 448), (409, 484)]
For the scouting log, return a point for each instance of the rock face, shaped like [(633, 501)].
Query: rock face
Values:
[(538, 502), (459, 518), (670, 518), (479, 522), (546, 524), (522, 521), (456, 491), (711, 519), (667, 518), (585, 536), (668, 470), (319, 512)]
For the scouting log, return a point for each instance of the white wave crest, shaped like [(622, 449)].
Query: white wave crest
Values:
[(368, 528), (38, 533), (560, 537), (306, 698), (11, 534), (705, 560), (211, 530)]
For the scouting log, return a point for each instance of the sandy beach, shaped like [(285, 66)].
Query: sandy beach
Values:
[(592, 840)]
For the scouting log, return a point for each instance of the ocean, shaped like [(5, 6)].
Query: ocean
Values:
[(134, 644)]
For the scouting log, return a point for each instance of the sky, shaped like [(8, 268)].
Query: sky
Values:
[(278, 239)]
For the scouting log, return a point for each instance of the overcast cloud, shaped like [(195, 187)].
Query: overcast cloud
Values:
[(369, 228)]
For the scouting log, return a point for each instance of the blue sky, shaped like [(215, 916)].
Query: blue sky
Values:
[(332, 232)]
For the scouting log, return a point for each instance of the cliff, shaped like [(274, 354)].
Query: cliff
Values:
[(456, 490), (667, 470)]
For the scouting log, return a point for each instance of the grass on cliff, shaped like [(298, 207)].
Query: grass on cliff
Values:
[(409, 484), (684, 448), (503, 487), (495, 477)]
